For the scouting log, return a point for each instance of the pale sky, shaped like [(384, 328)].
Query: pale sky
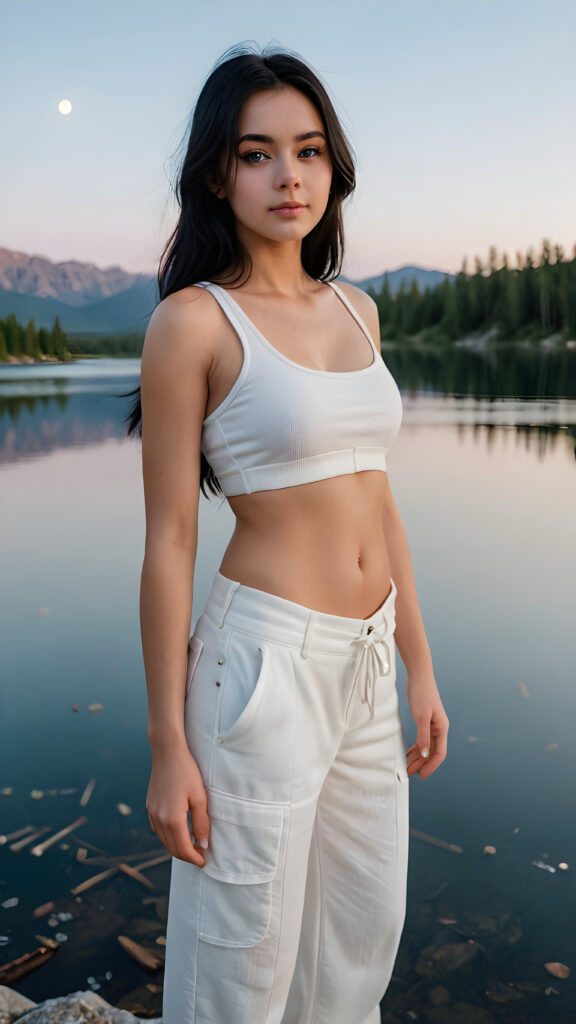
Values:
[(461, 113)]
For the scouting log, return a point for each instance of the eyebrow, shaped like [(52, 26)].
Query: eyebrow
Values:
[(253, 137)]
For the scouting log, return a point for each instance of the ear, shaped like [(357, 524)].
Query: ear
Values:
[(213, 183)]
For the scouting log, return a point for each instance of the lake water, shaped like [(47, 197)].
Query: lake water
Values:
[(486, 485)]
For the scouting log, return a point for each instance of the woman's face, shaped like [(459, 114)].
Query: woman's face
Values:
[(280, 168)]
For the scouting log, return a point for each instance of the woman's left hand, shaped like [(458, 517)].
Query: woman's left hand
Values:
[(431, 721)]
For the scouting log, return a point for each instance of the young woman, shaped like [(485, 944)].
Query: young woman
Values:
[(277, 725)]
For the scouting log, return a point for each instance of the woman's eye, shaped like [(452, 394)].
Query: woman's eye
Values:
[(258, 152), (254, 152)]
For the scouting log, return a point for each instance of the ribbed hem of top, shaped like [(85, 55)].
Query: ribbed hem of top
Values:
[(302, 471)]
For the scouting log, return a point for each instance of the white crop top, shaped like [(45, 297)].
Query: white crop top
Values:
[(284, 424)]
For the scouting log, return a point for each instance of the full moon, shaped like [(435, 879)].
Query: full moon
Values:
[(64, 107)]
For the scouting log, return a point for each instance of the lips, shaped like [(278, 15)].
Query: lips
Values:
[(288, 206)]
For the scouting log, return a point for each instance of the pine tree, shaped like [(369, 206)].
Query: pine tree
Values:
[(3, 347)]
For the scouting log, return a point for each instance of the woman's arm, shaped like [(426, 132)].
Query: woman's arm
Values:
[(410, 634), (175, 368), (426, 707), (174, 391)]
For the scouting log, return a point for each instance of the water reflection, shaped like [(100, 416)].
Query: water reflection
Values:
[(47, 407), (79, 403), (503, 370), (486, 488)]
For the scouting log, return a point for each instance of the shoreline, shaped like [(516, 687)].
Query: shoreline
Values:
[(473, 342), (19, 360)]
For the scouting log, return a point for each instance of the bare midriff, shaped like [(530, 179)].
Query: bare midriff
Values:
[(319, 544)]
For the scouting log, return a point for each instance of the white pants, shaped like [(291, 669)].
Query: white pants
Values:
[(292, 716)]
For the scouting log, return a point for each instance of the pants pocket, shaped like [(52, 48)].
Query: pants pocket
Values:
[(241, 863), (195, 645), (243, 687)]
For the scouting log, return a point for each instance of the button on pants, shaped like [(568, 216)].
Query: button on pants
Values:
[(292, 717)]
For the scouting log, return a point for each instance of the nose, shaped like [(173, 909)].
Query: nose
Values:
[(289, 176)]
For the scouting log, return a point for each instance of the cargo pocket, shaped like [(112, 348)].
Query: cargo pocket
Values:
[(241, 863), (244, 685)]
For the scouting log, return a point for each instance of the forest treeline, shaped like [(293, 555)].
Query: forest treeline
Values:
[(36, 343), (531, 301)]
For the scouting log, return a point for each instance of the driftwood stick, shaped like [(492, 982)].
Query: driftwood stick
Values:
[(87, 793), (134, 873), (14, 835), (43, 909), (126, 857), (437, 842), (39, 850), (160, 859), (145, 957), (21, 843), (89, 846), (94, 880), (9, 973)]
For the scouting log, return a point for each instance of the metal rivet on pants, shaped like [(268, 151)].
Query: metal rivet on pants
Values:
[(370, 629), (219, 740), (220, 661), (217, 682)]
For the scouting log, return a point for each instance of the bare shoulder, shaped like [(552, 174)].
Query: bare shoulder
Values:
[(364, 305), (182, 329), (362, 302)]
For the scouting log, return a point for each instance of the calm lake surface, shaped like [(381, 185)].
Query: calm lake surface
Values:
[(486, 484)]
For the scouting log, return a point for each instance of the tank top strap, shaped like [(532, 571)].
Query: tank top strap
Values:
[(336, 288), (231, 310)]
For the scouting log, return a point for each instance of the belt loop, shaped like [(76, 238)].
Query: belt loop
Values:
[(307, 635), (234, 584)]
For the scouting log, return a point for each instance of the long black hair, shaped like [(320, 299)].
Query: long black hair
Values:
[(204, 245)]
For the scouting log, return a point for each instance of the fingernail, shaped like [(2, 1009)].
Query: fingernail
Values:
[(203, 843), (425, 752)]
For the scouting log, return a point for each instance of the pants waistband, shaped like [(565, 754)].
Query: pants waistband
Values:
[(272, 617)]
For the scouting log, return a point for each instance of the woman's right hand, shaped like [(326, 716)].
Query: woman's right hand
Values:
[(175, 787)]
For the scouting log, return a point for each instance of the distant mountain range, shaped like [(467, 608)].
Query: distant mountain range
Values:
[(92, 301)]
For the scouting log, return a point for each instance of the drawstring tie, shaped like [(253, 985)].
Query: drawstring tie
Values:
[(371, 659)]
